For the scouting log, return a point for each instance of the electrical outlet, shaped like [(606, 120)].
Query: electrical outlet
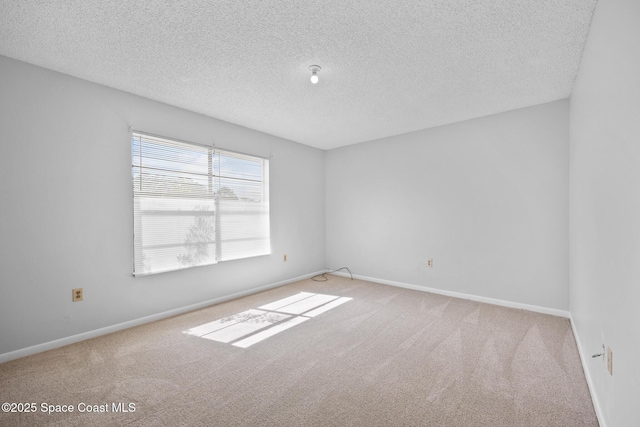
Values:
[(609, 360), (430, 262), (284, 258), (78, 294)]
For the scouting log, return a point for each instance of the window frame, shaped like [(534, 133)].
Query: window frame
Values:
[(214, 190)]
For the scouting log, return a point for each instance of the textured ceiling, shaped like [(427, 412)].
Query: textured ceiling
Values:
[(388, 66)]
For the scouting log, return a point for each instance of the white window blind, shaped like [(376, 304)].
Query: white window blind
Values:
[(195, 205)]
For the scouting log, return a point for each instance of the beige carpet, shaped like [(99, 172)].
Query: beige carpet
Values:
[(387, 357)]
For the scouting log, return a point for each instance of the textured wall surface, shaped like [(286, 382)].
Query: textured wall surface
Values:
[(66, 218), (605, 208), (487, 199)]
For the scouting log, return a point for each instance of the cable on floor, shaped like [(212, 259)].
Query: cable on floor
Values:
[(323, 277)]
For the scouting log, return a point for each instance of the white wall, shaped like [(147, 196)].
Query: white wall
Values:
[(487, 199), (66, 208), (605, 207)]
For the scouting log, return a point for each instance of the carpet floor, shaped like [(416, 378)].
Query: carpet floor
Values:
[(336, 353)]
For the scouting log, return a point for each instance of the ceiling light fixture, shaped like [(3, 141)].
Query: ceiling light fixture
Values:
[(314, 73)]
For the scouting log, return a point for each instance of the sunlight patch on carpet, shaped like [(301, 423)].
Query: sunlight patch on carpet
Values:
[(252, 326)]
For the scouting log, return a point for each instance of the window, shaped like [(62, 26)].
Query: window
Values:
[(196, 205)]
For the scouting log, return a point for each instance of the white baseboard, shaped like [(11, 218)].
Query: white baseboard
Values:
[(39, 348), (504, 303), (587, 374)]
